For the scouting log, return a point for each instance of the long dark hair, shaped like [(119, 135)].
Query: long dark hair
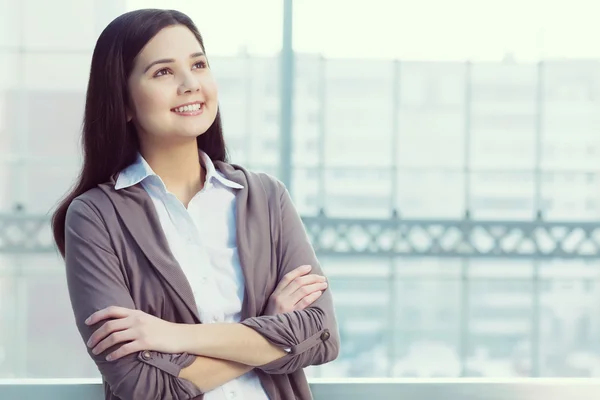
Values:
[(109, 142)]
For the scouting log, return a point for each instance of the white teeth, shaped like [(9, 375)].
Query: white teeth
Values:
[(188, 108)]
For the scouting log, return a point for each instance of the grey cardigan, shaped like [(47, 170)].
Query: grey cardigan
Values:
[(117, 254)]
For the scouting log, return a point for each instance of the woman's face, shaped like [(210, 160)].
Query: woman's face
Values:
[(173, 94)]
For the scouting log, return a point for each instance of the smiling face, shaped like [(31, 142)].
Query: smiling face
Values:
[(173, 94)]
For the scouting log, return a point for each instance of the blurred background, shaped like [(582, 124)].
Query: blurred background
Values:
[(443, 154)]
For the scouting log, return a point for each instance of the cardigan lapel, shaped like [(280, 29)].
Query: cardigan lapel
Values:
[(135, 208), (244, 244)]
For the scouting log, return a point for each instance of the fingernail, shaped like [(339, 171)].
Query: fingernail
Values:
[(306, 268), (87, 321), (108, 357)]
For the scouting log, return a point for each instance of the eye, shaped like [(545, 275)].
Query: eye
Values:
[(161, 72), (200, 64)]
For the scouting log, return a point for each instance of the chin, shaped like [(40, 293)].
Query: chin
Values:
[(191, 131)]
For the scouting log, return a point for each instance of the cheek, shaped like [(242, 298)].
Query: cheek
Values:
[(149, 109), (210, 88), (149, 101)]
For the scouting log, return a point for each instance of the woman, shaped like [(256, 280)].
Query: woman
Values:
[(188, 276)]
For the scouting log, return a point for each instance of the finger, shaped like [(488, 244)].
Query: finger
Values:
[(108, 328), (307, 301), (302, 281), (113, 339), (125, 350), (108, 312), (290, 276), (306, 290)]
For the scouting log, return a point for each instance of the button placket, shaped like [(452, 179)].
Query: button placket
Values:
[(231, 390)]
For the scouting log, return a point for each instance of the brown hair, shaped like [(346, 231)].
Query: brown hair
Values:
[(109, 142)]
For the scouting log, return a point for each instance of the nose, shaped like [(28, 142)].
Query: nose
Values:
[(189, 84)]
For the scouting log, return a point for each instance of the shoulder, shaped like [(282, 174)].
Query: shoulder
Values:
[(256, 182), (272, 186), (93, 204)]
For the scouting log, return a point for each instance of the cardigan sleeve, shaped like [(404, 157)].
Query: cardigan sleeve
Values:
[(95, 281), (310, 336)]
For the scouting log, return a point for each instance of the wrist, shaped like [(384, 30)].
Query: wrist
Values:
[(190, 338)]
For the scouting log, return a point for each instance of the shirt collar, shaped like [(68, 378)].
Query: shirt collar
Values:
[(134, 173), (140, 170), (212, 174)]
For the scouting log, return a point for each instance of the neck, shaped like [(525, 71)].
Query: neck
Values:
[(178, 166)]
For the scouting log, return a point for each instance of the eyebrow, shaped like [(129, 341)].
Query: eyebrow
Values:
[(170, 60)]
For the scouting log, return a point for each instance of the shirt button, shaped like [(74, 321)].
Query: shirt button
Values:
[(204, 280), (232, 394), (146, 355), (325, 335)]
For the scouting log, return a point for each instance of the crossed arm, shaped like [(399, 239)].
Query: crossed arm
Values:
[(208, 355), (224, 351)]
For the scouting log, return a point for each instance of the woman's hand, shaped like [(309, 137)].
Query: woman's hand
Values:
[(142, 332), (296, 291)]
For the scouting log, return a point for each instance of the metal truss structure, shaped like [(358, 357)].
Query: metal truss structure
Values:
[(22, 233)]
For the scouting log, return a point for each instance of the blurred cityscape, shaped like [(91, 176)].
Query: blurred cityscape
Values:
[(510, 142)]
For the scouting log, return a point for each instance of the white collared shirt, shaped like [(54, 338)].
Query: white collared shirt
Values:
[(202, 239)]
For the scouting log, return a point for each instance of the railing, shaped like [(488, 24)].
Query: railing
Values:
[(27, 234), (349, 389)]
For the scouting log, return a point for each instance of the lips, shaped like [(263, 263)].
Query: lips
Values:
[(193, 107)]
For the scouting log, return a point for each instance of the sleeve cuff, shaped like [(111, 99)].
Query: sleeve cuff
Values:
[(172, 364), (300, 348)]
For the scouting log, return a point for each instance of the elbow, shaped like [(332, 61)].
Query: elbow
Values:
[(133, 387), (330, 348), (333, 350), (130, 389), (148, 375), (139, 388), (149, 382)]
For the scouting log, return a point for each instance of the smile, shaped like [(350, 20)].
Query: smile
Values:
[(195, 108)]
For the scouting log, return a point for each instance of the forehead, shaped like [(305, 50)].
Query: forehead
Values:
[(171, 42)]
